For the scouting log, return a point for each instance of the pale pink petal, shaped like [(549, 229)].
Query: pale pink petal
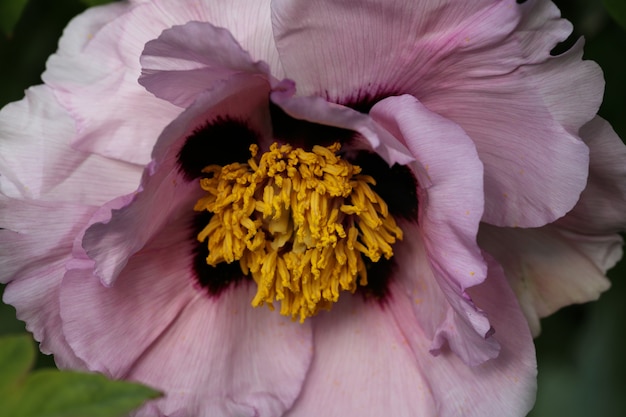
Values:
[(503, 386), (111, 327), (363, 366), (547, 269), (553, 79), (371, 59), (373, 360), (164, 193), (442, 320), (602, 205), (116, 116), (189, 59), (36, 243), (37, 162), (450, 190), (222, 357)]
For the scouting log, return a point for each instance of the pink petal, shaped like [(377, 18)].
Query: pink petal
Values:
[(36, 161), (164, 193), (363, 366), (222, 357), (566, 262), (187, 60), (111, 327), (548, 269), (532, 163), (317, 110), (373, 360), (386, 47), (116, 116), (35, 246), (450, 197), (602, 205), (445, 317)]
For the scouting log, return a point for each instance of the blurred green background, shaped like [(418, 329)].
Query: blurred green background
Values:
[(582, 349)]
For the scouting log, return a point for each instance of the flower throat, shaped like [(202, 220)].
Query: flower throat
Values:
[(298, 222)]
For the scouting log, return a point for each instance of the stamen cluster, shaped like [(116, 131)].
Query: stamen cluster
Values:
[(298, 222)]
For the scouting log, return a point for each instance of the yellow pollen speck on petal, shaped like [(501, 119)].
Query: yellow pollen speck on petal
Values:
[(298, 222)]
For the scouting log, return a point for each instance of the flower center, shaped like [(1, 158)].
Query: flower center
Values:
[(298, 222)]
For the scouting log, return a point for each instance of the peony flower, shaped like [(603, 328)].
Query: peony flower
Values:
[(310, 207)]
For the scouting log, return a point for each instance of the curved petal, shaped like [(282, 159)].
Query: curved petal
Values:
[(189, 59), (36, 161), (231, 359), (524, 125), (548, 269), (380, 353), (503, 386), (116, 116), (165, 193), (386, 47), (449, 320), (602, 205), (111, 327), (318, 110), (450, 195), (35, 244)]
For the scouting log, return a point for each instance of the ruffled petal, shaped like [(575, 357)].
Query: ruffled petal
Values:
[(548, 269), (37, 162), (449, 320), (503, 386), (374, 360), (189, 59), (231, 359), (116, 116), (165, 193), (100, 322), (35, 244), (450, 192), (602, 205)]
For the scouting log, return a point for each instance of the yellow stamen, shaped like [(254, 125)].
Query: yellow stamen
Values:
[(298, 222)]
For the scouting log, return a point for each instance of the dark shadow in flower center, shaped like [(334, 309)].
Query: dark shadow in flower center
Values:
[(221, 141), (398, 188), (304, 134), (364, 99), (214, 279)]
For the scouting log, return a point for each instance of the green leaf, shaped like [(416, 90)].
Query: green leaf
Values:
[(617, 10), (10, 12), (51, 393), (54, 393), (96, 2), (17, 356)]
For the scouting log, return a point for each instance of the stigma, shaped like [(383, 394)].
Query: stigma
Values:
[(298, 222)]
